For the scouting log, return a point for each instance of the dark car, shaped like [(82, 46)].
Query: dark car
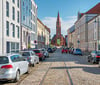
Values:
[(77, 51), (50, 50), (94, 57)]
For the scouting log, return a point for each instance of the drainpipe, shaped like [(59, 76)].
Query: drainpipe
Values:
[(2, 29)]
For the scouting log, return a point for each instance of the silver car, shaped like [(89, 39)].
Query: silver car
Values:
[(30, 56), (45, 52), (12, 66)]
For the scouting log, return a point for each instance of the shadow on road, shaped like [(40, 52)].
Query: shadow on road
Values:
[(93, 70)]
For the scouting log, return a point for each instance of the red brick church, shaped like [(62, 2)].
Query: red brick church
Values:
[(58, 39)]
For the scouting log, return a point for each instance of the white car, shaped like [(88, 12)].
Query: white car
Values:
[(31, 57), (12, 66)]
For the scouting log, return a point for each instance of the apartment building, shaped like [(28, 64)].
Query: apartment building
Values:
[(94, 34), (81, 25), (47, 37), (9, 26), (28, 24), (43, 33), (71, 36)]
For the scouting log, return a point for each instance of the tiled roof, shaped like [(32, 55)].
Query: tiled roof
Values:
[(94, 10)]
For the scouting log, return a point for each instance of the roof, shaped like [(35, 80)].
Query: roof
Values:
[(48, 29), (94, 17), (40, 21), (94, 10)]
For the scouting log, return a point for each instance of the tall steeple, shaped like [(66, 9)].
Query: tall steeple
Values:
[(58, 26)]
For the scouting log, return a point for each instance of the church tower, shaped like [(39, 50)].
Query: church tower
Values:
[(58, 39), (58, 27)]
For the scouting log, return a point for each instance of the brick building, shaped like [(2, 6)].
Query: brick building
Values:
[(58, 39)]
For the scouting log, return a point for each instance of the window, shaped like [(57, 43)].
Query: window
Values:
[(7, 28), (18, 3), (7, 8), (13, 31), (13, 13), (18, 16), (24, 36), (7, 47), (17, 46), (4, 60), (13, 1), (15, 58), (18, 31), (23, 17)]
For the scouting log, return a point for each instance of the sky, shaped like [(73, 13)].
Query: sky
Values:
[(68, 10)]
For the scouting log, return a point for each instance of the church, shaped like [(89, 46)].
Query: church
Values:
[(58, 39)]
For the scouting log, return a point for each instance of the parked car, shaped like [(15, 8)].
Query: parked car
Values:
[(45, 52), (77, 51), (39, 53), (64, 50), (50, 50), (30, 57), (71, 50), (12, 66), (94, 57)]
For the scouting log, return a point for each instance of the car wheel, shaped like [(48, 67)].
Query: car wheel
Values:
[(17, 76), (93, 61), (99, 64), (88, 60), (33, 65), (38, 62)]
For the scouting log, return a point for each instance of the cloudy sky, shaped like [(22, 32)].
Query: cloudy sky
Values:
[(68, 9)]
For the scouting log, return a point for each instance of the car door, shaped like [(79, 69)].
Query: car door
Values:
[(32, 57), (15, 62), (23, 64)]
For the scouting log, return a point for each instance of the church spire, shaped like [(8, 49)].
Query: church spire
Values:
[(58, 17)]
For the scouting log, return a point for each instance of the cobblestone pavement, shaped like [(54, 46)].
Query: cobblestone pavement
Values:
[(82, 72), (63, 69)]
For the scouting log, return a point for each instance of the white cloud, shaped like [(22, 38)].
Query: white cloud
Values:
[(65, 23)]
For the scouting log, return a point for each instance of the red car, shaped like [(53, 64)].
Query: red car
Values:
[(64, 50), (39, 54)]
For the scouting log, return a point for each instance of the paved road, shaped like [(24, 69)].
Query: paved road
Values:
[(63, 69)]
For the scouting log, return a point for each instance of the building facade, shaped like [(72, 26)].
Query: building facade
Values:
[(81, 25), (86, 34), (43, 33), (28, 24), (9, 26), (58, 39), (94, 34), (71, 36)]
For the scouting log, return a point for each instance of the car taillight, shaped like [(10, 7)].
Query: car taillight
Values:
[(97, 56), (28, 58), (6, 67)]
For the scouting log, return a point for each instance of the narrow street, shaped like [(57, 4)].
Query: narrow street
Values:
[(62, 69)]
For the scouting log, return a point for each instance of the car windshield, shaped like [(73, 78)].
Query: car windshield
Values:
[(37, 51), (78, 49), (4, 60), (25, 54)]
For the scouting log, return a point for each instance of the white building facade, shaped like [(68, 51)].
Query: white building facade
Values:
[(28, 24), (94, 33), (9, 26)]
